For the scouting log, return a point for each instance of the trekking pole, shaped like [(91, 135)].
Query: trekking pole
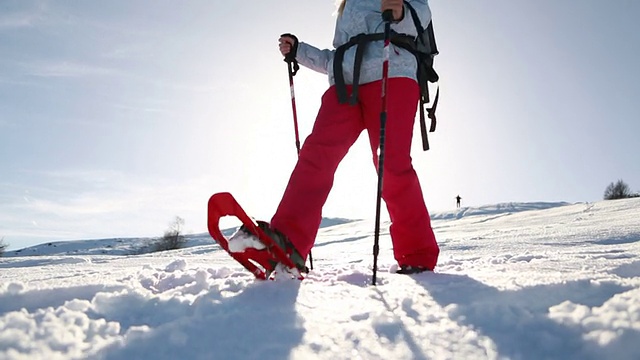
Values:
[(387, 16), (293, 67), (292, 71)]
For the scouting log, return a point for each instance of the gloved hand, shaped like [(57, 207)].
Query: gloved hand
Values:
[(395, 6), (288, 46), (289, 49)]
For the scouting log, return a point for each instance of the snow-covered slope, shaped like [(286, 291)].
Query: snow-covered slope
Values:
[(559, 281)]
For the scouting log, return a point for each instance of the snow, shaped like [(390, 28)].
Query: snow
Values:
[(514, 281), (240, 241)]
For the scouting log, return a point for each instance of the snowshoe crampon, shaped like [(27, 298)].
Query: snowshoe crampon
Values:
[(261, 262)]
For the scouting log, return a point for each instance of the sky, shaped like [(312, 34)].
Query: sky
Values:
[(539, 280), (116, 117)]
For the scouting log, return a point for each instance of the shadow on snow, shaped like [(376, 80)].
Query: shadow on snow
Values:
[(517, 321), (220, 327)]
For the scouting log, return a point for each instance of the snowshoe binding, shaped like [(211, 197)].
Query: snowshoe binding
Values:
[(247, 237), (408, 269)]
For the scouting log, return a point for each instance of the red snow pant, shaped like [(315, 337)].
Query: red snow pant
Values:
[(336, 128)]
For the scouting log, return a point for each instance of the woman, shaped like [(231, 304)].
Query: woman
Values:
[(343, 115)]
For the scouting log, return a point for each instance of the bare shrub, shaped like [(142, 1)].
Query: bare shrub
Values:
[(618, 190), (3, 246), (173, 238)]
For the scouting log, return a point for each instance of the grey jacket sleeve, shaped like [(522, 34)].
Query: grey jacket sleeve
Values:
[(314, 58)]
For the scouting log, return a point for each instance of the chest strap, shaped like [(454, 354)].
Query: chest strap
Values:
[(361, 41)]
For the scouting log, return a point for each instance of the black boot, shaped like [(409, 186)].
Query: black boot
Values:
[(408, 269)]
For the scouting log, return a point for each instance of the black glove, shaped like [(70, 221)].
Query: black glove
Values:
[(290, 58)]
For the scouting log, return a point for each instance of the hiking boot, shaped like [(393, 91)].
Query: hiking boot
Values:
[(408, 269), (283, 243)]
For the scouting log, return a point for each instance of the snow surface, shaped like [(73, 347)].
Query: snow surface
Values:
[(240, 241), (514, 281)]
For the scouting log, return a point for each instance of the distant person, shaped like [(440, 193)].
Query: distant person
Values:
[(458, 198), (338, 125)]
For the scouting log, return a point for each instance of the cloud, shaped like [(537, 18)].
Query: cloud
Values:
[(68, 69), (126, 52), (16, 21), (29, 15), (12, 21), (142, 108), (91, 204)]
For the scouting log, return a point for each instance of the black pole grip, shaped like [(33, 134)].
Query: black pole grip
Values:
[(387, 15), (291, 56)]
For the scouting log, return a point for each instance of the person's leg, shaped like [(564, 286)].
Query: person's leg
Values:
[(414, 242), (336, 128)]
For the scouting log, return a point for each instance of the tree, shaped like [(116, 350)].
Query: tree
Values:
[(618, 190), (173, 238), (3, 246)]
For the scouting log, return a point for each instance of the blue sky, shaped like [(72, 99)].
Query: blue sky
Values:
[(117, 116)]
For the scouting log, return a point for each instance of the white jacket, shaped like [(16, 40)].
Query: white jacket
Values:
[(364, 16)]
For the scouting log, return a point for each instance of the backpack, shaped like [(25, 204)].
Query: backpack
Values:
[(425, 50), (423, 47)]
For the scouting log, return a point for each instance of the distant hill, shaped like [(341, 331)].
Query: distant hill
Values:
[(501, 208), (133, 246), (126, 246)]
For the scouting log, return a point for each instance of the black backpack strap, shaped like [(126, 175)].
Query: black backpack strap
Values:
[(432, 111), (423, 127), (341, 88), (431, 114), (338, 76), (432, 39), (361, 41), (362, 45), (416, 18)]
